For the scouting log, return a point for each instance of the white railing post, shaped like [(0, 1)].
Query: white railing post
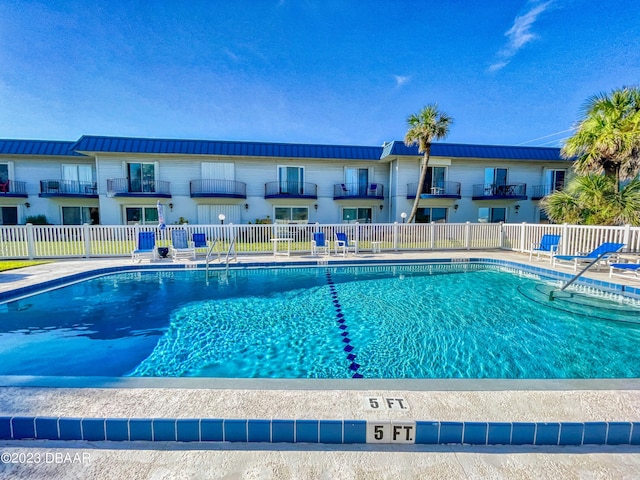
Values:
[(432, 232), (31, 244), (564, 240), (86, 234), (626, 236), (522, 236), (395, 236), (467, 235)]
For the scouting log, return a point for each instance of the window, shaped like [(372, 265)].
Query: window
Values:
[(555, 180), (291, 180), (495, 176), (292, 214), (80, 216), (356, 180), (141, 215), (4, 172), (434, 179), (492, 215), (428, 215), (8, 215), (361, 215), (141, 177)]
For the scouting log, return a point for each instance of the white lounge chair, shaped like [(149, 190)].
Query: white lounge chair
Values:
[(319, 244), (180, 245), (146, 247), (342, 243), (625, 270)]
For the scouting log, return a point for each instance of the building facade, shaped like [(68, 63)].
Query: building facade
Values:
[(115, 181)]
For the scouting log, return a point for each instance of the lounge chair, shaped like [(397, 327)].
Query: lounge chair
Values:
[(146, 247), (548, 246), (606, 250), (625, 270), (342, 243), (180, 245), (200, 243), (319, 244)]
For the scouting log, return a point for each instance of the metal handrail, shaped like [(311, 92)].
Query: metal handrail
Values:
[(581, 272), (235, 253)]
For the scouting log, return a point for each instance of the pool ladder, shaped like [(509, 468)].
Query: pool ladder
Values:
[(227, 260)]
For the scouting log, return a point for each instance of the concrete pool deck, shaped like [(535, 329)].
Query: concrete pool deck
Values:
[(441, 400)]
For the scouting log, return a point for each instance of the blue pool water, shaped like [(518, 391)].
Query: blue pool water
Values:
[(428, 321)]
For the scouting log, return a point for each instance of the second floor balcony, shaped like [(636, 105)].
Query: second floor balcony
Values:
[(210, 188), (290, 190), (435, 190), (68, 188), (342, 191), (497, 191), (123, 187), (541, 191), (12, 188)]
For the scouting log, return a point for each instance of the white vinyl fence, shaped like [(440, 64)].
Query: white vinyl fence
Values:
[(67, 241)]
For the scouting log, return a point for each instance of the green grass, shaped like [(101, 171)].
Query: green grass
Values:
[(14, 264)]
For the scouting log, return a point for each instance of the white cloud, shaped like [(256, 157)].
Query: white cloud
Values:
[(519, 34), (401, 80)]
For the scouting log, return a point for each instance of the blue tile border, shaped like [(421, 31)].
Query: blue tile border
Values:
[(625, 290), (324, 431)]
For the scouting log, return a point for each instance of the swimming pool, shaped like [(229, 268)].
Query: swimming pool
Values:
[(462, 320)]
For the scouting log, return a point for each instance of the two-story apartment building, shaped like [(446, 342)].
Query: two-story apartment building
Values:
[(112, 180)]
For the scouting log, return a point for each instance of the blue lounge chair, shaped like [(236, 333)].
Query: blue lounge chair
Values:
[(548, 246), (606, 249), (625, 270), (319, 244), (200, 243), (146, 247), (180, 245), (342, 243)]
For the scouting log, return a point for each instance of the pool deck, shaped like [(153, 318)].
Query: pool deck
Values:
[(437, 400)]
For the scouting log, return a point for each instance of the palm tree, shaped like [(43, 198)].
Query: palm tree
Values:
[(424, 127), (607, 139), (593, 200)]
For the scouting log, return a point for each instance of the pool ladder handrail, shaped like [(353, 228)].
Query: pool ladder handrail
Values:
[(226, 260), (580, 273), (235, 253)]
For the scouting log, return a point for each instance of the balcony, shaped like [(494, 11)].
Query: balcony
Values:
[(209, 188), (348, 191), (122, 187), (11, 188), (494, 191), (541, 191), (435, 190), (68, 188), (290, 190)]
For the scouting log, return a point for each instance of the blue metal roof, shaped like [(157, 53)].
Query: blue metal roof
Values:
[(458, 150), (37, 147), (227, 148)]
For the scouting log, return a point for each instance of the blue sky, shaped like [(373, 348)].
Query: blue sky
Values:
[(329, 71)]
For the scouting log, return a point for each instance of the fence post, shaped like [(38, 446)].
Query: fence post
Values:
[(432, 231), (522, 236), (31, 244), (564, 239), (626, 236), (86, 234), (467, 235), (395, 236)]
